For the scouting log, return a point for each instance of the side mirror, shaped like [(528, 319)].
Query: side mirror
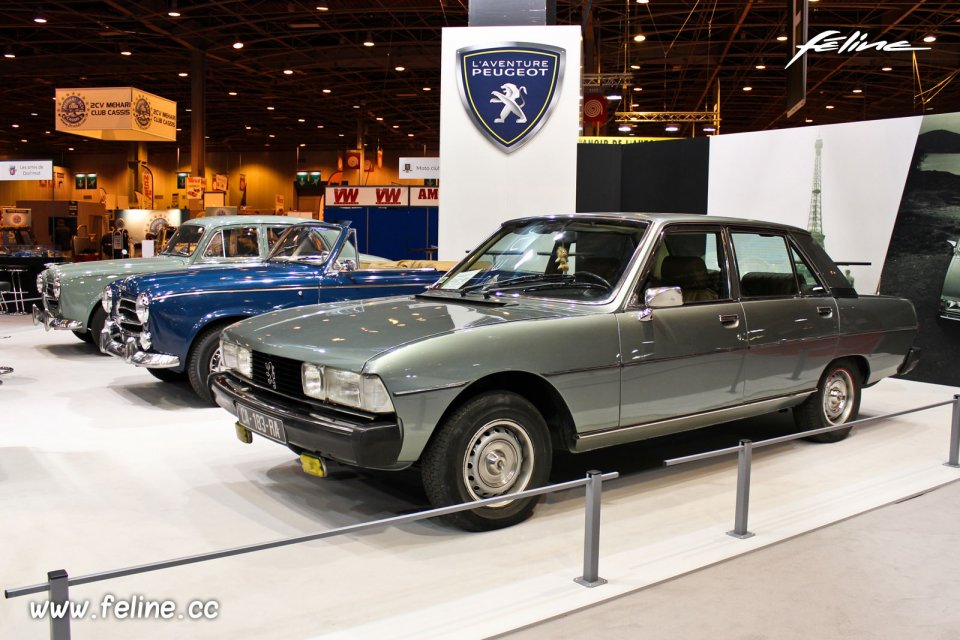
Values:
[(347, 264), (659, 298)]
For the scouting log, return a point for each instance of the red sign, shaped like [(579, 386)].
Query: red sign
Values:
[(594, 108)]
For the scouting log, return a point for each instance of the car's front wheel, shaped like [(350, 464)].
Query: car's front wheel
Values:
[(493, 445), (836, 402), (204, 359), (84, 335)]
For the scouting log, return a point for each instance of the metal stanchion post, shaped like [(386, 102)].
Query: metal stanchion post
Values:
[(59, 593), (953, 460), (591, 533), (744, 459)]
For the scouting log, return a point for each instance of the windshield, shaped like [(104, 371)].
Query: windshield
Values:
[(306, 244), (571, 259), (184, 242)]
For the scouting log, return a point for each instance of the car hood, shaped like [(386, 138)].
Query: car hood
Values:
[(101, 268), (348, 334), (235, 277)]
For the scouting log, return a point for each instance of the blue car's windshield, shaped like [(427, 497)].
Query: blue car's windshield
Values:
[(306, 244), (184, 241), (569, 258)]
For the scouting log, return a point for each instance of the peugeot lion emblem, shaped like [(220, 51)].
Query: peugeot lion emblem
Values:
[(271, 375), (509, 90)]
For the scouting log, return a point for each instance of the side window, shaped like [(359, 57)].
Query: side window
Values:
[(241, 242), (693, 261), (215, 246), (810, 285), (764, 265)]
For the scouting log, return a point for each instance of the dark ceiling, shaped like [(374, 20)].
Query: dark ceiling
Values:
[(324, 86)]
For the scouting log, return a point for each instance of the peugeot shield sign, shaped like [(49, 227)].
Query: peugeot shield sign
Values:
[(509, 90)]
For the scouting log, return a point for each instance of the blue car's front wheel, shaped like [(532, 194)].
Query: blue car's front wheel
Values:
[(204, 360)]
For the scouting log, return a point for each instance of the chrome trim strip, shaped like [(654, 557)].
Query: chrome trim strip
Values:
[(289, 288), (619, 435), (598, 367), (686, 356), (439, 387)]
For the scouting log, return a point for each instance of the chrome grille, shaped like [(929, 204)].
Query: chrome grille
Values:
[(286, 374), (126, 315)]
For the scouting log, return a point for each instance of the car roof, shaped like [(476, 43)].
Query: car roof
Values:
[(665, 218), (217, 221)]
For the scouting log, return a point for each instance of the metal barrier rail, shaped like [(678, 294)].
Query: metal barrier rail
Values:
[(58, 582), (745, 449)]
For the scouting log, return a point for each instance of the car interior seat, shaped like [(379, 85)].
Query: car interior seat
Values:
[(690, 274)]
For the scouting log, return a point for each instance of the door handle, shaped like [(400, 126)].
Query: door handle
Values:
[(729, 320), (826, 312)]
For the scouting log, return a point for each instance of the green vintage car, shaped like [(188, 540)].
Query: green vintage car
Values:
[(571, 333), (71, 292)]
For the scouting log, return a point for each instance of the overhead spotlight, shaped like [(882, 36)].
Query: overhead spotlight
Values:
[(173, 12), (15, 126), (247, 127), (396, 126), (183, 74), (643, 1), (399, 67), (930, 38), (638, 88), (887, 69), (69, 148), (301, 120), (624, 127), (303, 144), (748, 88), (709, 129), (40, 20), (639, 37), (427, 89), (761, 67), (270, 135), (322, 6), (10, 54), (368, 41), (614, 96), (238, 45), (635, 67), (270, 108), (319, 126), (231, 93), (288, 72), (858, 90), (808, 120), (326, 90), (781, 38), (125, 51), (409, 135), (829, 106), (671, 128)]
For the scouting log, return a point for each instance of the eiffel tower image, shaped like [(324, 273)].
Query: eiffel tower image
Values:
[(815, 221)]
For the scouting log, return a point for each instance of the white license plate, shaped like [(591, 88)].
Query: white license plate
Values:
[(263, 424)]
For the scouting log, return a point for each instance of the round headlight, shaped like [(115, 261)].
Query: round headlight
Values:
[(56, 286), (143, 308), (39, 283), (106, 300)]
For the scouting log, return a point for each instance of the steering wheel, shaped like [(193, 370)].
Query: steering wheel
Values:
[(592, 276)]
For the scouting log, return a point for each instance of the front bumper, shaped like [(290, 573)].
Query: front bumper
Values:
[(49, 321), (372, 444), (114, 343), (910, 361)]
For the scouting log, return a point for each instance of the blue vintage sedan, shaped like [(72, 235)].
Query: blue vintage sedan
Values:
[(170, 322)]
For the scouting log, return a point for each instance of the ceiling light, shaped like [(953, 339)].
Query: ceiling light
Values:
[(399, 67), (24, 139), (624, 127), (368, 41), (379, 119), (887, 69), (40, 20), (634, 66), (643, 1), (270, 135), (183, 74), (322, 6), (47, 132), (15, 126), (270, 108), (409, 135), (709, 129), (189, 110), (326, 90), (356, 106), (288, 72), (319, 126), (247, 127), (427, 89), (10, 54), (639, 37), (396, 126), (340, 135), (638, 88), (671, 128), (808, 120), (930, 38), (781, 38), (301, 120), (69, 148), (174, 12), (238, 45), (231, 93), (829, 106), (748, 88), (614, 96), (126, 52), (303, 144), (761, 67), (858, 90)]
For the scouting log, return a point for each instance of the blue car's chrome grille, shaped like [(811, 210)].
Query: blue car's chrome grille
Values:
[(126, 315)]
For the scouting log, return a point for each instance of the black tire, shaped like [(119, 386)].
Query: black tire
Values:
[(510, 436), (168, 375), (84, 335), (204, 359), (836, 401), (97, 319)]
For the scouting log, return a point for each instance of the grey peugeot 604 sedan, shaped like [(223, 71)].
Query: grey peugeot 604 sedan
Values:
[(567, 332)]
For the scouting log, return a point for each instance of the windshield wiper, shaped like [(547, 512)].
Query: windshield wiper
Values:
[(487, 285)]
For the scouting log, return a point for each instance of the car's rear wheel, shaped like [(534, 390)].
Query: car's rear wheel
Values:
[(204, 359), (493, 445), (168, 375), (836, 401)]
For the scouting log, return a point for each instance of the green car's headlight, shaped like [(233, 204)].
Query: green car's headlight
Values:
[(366, 392), (56, 286), (237, 358), (39, 283), (106, 300)]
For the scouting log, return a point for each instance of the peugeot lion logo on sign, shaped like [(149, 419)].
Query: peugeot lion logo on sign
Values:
[(510, 90)]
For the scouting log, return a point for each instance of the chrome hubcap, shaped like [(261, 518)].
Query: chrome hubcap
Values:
[(499, 460), (837, 404), (215, 360)]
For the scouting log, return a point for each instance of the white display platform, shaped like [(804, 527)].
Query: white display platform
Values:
[(103, 467)]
